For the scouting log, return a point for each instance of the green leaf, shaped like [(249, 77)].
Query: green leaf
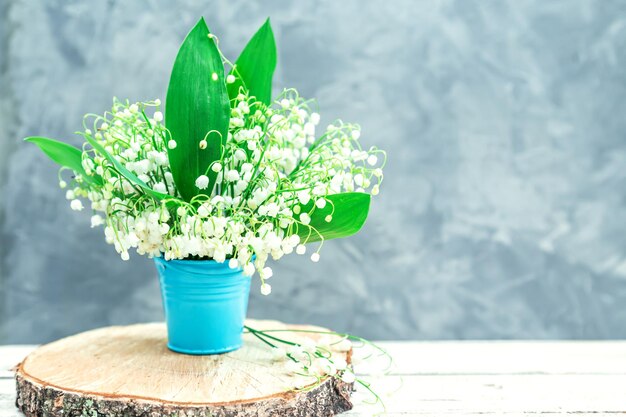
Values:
[(255, 66), (350, 213), (196, 108), (124, 171), (64, 155)]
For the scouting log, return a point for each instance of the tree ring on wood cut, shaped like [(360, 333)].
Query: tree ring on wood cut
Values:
[(128, 371)]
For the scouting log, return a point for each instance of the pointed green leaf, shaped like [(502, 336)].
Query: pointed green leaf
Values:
[(63, 154), (196, 108), (124, 171), (350, 213), (255, 66), (60, 152)]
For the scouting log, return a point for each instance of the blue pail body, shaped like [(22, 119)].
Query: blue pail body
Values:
[(205, 305)]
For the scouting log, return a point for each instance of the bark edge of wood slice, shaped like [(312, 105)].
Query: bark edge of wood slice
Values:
[(128, 371)]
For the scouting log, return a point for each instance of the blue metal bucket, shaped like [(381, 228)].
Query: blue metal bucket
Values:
[(205, 305)]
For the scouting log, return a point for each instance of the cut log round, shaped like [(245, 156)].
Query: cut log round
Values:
[(128, 371)]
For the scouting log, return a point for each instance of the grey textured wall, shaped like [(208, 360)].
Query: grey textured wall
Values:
[(502, 214)]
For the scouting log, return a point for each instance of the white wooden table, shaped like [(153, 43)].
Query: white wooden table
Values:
[(470, 378)]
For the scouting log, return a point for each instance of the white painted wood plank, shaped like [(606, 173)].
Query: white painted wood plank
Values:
[(7, 399), (503, 394), (448, 395), (469, 357), (11, 355), (505, 357), (470, 378)]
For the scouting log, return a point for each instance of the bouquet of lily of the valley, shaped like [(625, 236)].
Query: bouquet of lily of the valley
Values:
[(228, 177), (228, 173)]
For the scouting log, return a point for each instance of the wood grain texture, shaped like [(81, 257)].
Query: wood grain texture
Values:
[(470, 378), (466, 357), (128, 370)]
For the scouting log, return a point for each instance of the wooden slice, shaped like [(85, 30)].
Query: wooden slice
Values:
[(128, 371)]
